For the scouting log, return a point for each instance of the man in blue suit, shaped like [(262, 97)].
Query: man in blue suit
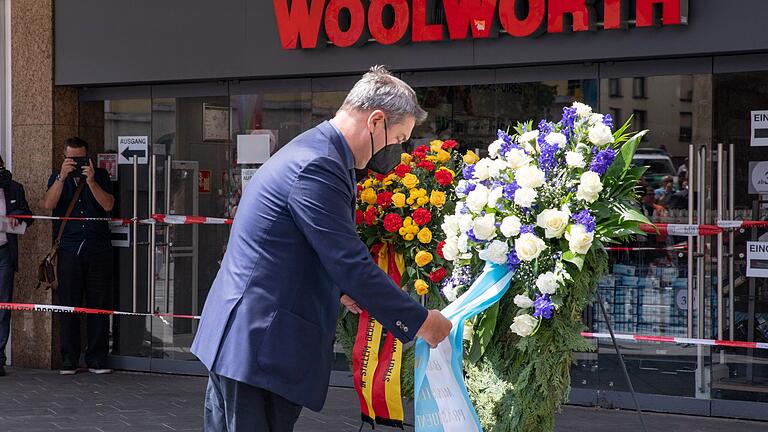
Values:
[(268, 325)]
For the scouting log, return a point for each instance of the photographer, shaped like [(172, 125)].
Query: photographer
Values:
[(85, 254), (13, 201)]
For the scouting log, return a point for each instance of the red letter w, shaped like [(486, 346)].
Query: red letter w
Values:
[(477, 14), (299, 23)]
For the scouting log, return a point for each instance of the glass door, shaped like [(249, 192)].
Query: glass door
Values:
[(742, 192), (191, 172)]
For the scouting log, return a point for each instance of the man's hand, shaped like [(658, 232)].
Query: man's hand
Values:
[(13, 222), (435, 328), (89, 173), (67, 167), (350, 304)]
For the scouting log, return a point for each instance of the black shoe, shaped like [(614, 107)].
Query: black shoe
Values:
[(2, 370)]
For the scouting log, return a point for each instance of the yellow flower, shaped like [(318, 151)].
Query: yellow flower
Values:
[(398, 200), (436, 145), (437, 198), (431, 158), (443, 156), (422, 287), (423, 258), (368, 196), (425, 235), (421, 201), (410, 181), (409, 229), (367, 183), (471, 158), (389, 179), (406, 158)]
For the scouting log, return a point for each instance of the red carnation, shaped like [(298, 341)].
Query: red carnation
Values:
[(427, 165), (359, 217), (370, 215), (437, 275), (359, 189), (402, 169), (379, 177), (421, 151), (450, 144), (422, 216), (384, 199), (444, 177), (440, 247), (392, 222)]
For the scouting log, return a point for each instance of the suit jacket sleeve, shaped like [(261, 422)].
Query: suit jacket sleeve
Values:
[(22, 206), (320, 203)]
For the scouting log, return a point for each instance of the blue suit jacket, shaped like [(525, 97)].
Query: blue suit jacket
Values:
[(270, 317)]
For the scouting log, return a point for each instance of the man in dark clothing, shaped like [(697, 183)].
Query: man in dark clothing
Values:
[(13, 201), (85, 255)]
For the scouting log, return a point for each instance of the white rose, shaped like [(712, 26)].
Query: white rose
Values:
[(523, 302), (510, 226), (529, 247), (595, 119), (529, 176), (575, 160), (483, 169), (450, 225), (478, 198), (557, 138), (553, 221), (495, 196), (496, 252), (496, 167), (590, 187), (485, 227), (582, 110), (451, 293), (463, 243), (579, 240), (517, 158), (466, 221), (524, 197), (494, 148), (547, 283), (529, 136), (524, 325), (600, 134), (451, 248)]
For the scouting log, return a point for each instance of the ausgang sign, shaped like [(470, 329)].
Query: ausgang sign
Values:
[(345, 23)]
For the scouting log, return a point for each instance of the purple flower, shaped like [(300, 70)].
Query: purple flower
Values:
[(513, 262), (608, 120), (569, 121), (602, 161), (543, 307), (471, 235), (503, 136), (468, 172), (548, 157), (528, 229), (509, 191), (468, 187), (586, 219)]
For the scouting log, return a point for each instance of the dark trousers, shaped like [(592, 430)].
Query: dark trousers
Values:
[(85, 280), (233, 406), (6, 293)]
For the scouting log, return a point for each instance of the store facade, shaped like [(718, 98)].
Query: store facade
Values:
[(199, 79)]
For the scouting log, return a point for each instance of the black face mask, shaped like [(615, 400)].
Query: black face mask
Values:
[(386, 159), (5, 178)]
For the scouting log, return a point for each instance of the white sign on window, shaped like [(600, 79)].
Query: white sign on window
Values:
[(757, 259), (759, 133)]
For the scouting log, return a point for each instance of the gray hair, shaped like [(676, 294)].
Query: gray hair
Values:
[(378, 89)]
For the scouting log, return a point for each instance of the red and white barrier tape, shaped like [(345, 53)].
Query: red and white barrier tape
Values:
[(678, 340), (190, 220), (647, 249), (83, 310)]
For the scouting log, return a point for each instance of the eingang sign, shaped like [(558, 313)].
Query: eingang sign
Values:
[(307, 23)]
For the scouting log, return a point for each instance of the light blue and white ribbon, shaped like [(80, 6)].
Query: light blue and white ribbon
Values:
[(442, 401)]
